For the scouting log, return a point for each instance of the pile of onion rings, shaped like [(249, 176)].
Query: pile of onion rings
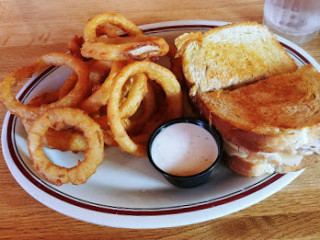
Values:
[(116, 96)]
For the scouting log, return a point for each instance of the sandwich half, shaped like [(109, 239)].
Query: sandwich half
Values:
[(230, 56), (272, 125)]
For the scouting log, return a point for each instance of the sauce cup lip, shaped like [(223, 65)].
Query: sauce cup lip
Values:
[(199, 122)]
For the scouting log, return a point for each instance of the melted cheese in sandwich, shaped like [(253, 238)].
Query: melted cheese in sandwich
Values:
[(276, 158)]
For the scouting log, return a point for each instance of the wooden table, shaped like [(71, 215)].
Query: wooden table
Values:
[(31, 28)]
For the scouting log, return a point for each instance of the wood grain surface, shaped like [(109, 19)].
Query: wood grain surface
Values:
[(31, 28)]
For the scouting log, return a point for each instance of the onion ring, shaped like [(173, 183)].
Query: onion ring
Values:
[(93, 155), (127, 108), (137, 46), (30, 112), (124, 48), (90, 34), (63, 140), (164, 78), (67, 139), (101, 96), (149, 106), (136, 94)]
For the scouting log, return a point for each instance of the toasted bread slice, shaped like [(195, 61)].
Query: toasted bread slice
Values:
[(278, 114), (231, 55)]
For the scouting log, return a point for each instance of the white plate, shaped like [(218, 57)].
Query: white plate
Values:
[(126, 191)]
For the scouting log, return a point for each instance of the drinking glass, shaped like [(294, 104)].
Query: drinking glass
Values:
[(297, 20)]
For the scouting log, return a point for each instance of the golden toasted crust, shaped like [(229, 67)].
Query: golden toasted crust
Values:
[(231, 55), (277, 114), (254, 169)]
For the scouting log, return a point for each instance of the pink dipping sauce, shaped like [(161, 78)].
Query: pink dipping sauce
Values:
[(184, 149)]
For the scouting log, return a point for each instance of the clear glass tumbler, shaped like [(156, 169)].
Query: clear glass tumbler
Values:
[(297, 20)]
